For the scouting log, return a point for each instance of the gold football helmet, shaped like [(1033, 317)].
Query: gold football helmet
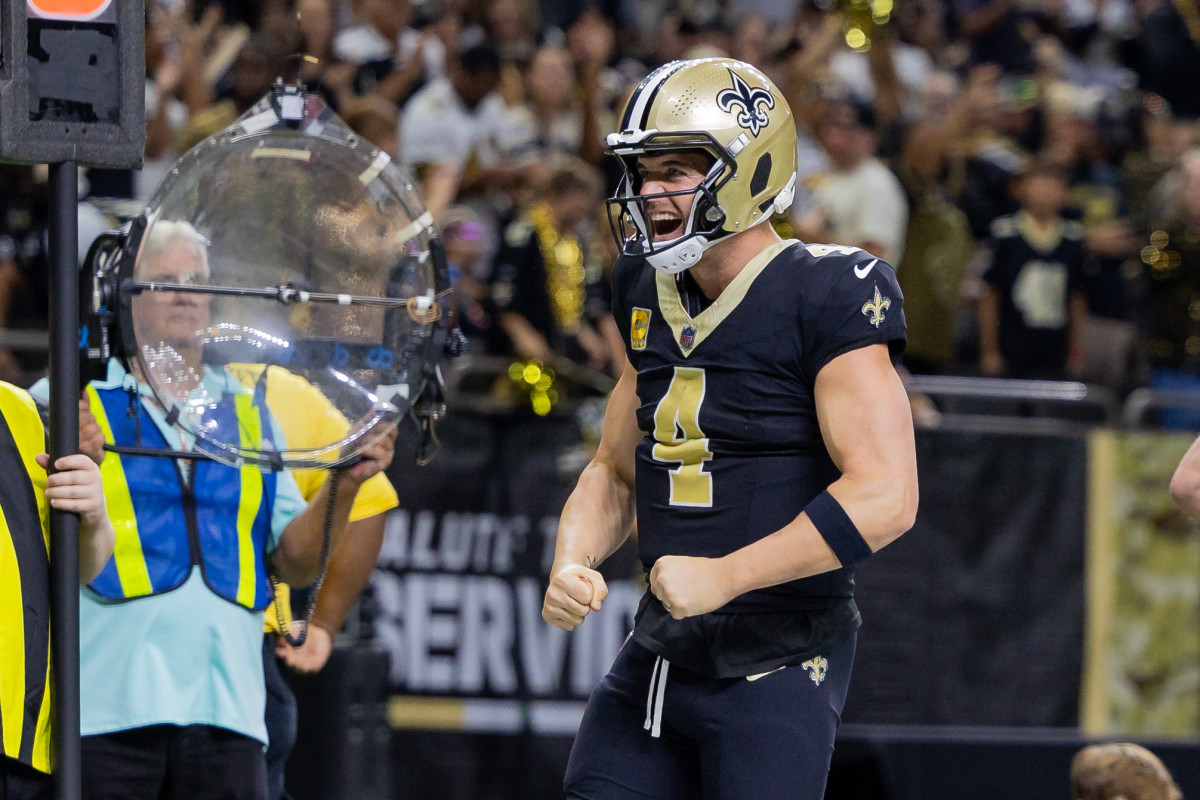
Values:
[(735, 114)]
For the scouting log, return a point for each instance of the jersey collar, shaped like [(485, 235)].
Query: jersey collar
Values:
[(690, 331)]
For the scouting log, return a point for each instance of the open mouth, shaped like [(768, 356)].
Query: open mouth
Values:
[(665, 225)]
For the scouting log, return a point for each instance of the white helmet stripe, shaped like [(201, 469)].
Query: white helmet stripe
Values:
[(636, 113)]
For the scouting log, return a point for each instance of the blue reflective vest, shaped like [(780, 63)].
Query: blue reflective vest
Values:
[(219, 520)]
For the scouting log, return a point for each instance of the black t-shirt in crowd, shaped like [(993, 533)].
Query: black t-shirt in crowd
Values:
[(518, 284), (1035, 282)]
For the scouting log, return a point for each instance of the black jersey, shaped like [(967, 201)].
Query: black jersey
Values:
[(732, 449), (1035, 282)]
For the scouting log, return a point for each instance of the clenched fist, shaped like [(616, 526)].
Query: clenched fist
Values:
[(688, 586), (574, 592)]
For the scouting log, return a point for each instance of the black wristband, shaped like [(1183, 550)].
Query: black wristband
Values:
[(837, 529)]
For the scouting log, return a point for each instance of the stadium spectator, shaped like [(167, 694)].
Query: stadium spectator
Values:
[(394, 59), (750, 40), (377, 35), (1172, 261), (463, 234), (512, 26), (323, 70), (1170, 50), (997, 32), (374, 119), (910, 71), (1075, 117), (592, 43), (996, 151), (938, 242), (562, 109), (460, 121), (1161, 139), (859, 202), (258, 64), (166, 113), (556, 122), (550, 297), (1032, 313), (667, 40)]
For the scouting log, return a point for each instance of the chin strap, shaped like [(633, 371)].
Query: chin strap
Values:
[(783, 200), (684, 255)]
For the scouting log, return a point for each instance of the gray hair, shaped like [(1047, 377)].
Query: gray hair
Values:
[(163, 233)]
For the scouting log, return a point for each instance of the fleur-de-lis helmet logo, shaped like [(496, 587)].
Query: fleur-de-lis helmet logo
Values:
[(753, 117)]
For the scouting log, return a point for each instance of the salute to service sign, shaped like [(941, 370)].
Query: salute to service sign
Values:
[(71, 81), (461, 598), (460, 580)]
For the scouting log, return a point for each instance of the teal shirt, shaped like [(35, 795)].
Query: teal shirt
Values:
[(186, 657)]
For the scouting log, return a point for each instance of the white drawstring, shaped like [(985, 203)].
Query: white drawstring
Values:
[(654, 697), (656, 729), (650, 695)]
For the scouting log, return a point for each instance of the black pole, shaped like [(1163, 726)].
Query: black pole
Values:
[(64, 440)]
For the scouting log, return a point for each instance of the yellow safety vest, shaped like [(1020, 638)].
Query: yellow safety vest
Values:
[(25, 683)]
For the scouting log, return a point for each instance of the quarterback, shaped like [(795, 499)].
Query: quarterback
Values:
[(760, 437)]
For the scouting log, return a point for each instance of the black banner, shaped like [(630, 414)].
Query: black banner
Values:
[(975, 616), (486, 695), (461, 577)]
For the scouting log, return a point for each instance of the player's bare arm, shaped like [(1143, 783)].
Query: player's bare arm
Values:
[(866, 423), (1185, 483), (598, 515)]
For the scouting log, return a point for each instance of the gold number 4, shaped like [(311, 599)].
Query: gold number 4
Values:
[(680, 440)]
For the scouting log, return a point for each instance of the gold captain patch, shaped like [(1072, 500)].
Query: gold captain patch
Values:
[(639, 326), (875, 307)]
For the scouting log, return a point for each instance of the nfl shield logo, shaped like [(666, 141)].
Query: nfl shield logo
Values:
[(687, 337)]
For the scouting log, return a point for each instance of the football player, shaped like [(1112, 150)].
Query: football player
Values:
[(762, 440)]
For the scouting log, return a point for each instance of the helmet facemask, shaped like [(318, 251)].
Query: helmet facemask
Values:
[(629, 211)]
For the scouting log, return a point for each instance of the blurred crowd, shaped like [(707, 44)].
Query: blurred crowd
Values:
[(1031, 167)]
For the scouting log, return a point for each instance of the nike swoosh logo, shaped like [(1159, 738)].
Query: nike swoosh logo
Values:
[(763, 674), (861, 272)]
